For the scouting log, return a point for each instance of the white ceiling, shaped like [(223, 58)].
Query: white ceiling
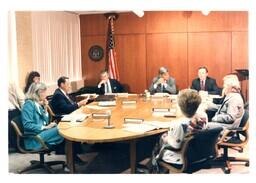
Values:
[(95, 12)]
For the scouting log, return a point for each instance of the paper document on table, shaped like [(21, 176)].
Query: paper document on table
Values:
[(75, 117), (162, 114), (95, 107), (107, 103), (158, 124), (122, 94), (93, 95), (160, 95), (138, 128)]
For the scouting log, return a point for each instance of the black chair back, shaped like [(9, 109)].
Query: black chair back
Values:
[(244, 119), (17, 125), (19, 130), (202, 146)]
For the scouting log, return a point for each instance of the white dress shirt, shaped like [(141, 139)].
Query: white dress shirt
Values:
[(105, 86)]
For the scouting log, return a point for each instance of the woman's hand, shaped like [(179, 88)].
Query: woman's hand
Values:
[(51, 125)]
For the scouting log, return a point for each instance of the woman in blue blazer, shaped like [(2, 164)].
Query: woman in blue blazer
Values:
[(35, 118)]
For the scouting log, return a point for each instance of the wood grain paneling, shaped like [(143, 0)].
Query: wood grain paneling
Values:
[(168, 50), (164, 22), (131, 58), (217, 21), (181, 41), (93, 25), (129, 23), (91, 70), (239, 21), (212, 50), (239, 50)]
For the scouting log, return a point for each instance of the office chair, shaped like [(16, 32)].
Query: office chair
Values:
[(18, 127), (197, 149), (235, 138)]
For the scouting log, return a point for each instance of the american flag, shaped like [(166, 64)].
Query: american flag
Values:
[(111, 54)]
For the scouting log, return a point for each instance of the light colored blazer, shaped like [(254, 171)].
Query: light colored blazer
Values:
[(231, 111), (171, 86)]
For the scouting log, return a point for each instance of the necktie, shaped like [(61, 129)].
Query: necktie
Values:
[(202, 85), (69, 99), (162, 88), (107, 88)]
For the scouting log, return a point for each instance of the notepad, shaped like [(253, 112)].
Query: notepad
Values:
[(92, 95), (138, 128), (74, 117), (145, 126), (157, 95), (158, 124), (163, 114), (95, 107)]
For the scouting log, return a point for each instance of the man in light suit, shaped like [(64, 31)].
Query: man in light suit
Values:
[(163, 83), (107, 85), (61, 102), (231, 111), (205, 83)]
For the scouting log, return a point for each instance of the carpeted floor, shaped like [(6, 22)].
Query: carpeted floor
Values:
[(112, 158)]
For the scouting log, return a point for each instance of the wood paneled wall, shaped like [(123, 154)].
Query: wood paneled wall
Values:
[(181, 41)]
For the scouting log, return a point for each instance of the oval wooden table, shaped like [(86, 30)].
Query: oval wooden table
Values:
[(92, 130)]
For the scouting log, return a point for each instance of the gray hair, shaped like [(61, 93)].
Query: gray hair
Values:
[(232, 81), (162, 70), (34, 91)]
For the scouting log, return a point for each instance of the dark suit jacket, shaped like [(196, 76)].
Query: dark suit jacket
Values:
[(115, 86), (210, 85), (61, 105)]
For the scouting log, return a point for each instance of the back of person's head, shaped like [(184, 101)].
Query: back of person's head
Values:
[(30, 79), (34, 91), (62, 79), (232, 81), (162, 70), (189, 100)]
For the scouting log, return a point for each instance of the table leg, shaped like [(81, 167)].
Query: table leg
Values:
[(70, 156), (133, 155)]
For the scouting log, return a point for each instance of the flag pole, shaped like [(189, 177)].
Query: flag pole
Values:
[(111, 58)]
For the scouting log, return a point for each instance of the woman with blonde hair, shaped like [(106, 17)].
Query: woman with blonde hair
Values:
[(35, 118), (231, 111)]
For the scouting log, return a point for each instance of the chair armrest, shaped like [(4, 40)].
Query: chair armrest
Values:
[(38, 139), (168, 147)]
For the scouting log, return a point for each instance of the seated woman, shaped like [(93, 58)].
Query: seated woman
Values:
[(35, 118), (188, 101), (230, 112), (33, 77)]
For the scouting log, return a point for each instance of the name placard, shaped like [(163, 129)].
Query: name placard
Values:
[(160, 109), (129, 102), (100, 115), (133, 120)]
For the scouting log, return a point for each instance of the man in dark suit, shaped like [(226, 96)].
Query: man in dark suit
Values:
[(61, 102), (107, 85), (205, 83)]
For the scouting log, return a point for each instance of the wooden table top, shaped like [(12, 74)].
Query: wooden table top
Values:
[(93, 131)]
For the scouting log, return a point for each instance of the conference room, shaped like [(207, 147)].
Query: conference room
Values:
[(128, 92)]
